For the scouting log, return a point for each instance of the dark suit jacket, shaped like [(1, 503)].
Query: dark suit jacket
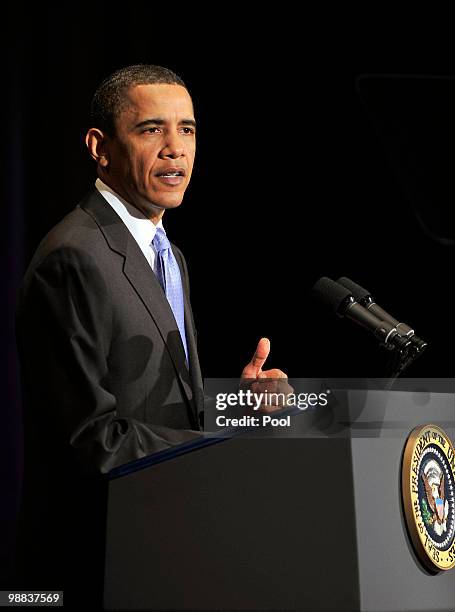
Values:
[(103, 367)]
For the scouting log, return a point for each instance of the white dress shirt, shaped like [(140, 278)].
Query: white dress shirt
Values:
[(142, 229)]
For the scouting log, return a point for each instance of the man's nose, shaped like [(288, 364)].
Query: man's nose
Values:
[(173, 148)]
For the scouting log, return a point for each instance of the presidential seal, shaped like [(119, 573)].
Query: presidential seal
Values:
[(427, 482)]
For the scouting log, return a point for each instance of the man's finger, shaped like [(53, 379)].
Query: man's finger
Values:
[(264, 386), (269, 386), (269, 409), (273, 373), (253, 369), (261, 354)]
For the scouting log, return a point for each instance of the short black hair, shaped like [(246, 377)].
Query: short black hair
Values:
[(110, 97)]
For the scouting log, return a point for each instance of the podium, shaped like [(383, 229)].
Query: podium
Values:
[(306, 521)]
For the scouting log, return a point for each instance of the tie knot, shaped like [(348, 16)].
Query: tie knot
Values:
[(160, 242)]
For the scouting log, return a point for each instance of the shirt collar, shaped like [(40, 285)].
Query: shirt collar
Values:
[(142, 229)]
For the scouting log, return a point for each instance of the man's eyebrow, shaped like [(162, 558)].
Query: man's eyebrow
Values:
[(158, 121)]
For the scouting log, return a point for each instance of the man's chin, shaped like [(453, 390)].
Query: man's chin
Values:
[(168, 204), (172, 203), (159, 205)]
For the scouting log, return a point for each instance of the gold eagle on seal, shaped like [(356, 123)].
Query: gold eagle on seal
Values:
[(433, 480)]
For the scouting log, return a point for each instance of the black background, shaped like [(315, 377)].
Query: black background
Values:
[(325, 147)]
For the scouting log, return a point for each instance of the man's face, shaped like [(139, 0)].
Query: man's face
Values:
[(152, 153)]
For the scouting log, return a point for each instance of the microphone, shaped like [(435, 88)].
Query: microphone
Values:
[(364, 297), (340, 300)]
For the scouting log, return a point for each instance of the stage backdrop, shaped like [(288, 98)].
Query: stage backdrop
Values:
[(309, 163)]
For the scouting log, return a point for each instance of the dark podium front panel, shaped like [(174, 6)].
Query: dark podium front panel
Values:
[(309, 523)]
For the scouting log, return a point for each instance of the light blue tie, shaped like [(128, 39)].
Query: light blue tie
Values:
[(168, 273)]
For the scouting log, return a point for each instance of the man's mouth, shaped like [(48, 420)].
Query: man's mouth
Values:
[(171, 172), (171, 176)]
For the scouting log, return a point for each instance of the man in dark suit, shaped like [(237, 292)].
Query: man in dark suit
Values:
[(105, 331)]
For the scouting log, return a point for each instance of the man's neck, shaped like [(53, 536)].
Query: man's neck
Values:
[(151, 212)]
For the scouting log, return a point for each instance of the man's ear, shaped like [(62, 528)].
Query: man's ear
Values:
[(96, 140)]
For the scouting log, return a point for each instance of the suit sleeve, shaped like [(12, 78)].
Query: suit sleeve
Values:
[(64, 327)]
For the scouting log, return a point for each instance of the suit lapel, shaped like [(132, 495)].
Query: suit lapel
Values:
[(144, 282)]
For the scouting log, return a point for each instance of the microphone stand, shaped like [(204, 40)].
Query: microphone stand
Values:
[(399, 362)]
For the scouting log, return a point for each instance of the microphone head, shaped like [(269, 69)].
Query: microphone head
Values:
[(330, 294), (359, 293)]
